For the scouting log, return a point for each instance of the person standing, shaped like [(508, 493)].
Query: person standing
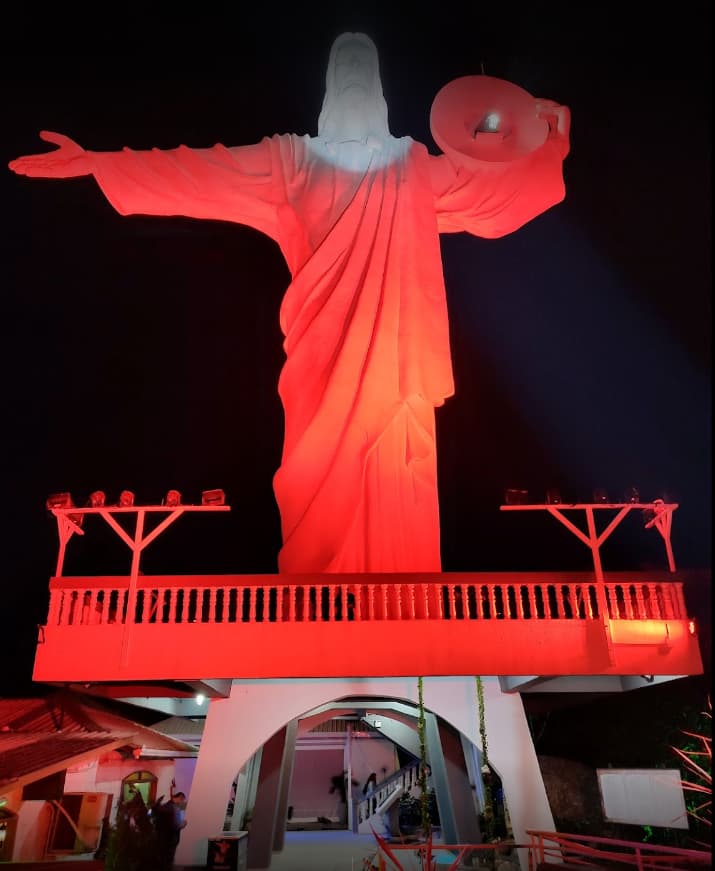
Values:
[(170, 820)]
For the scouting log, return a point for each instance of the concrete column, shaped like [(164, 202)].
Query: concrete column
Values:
[(464, 808), (284, 787), (440, 780), (263, 825)]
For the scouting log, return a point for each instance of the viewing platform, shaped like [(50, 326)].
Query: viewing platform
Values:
[(159, 629)]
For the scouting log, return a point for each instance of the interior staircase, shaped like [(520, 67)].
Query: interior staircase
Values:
[(374, 812)]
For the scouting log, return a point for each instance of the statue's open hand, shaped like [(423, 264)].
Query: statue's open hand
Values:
[(67, 161)]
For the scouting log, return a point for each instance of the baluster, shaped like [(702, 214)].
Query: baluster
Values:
[(53, 612), (620, 602), (122, 605), (359, 591), (100, 601), (345, 602), (252, 605), (674, 605), (396, 610), (567, 608), (482, 601), (92, 615), (493, 601), (533, 605), (238, 594), (291, 604), (68, 607), (424, 600), (385, 610), (450, 601), (371, 601), (589, 597), (640, 601), (629, 594), (510, 609), (167, 613), (212, 604), (376, 593)]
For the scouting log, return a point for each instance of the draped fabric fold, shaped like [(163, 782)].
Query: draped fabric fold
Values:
[(364, 318)]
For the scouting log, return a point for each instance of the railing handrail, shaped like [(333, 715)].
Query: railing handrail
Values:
[(644, 857), (359, 598), (382, 791), (563, 846)]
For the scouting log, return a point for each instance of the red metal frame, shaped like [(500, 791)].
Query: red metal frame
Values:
[(661, 520), (69, 522)]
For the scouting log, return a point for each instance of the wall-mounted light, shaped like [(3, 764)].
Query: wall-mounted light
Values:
[(200, 699), (172, 499), (553, 496), (213, 497)]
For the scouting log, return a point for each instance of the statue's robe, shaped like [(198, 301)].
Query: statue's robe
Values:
[(364, 317)]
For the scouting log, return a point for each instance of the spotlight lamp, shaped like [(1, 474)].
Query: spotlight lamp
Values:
[(516, 497), (126, 499), (97, 499), (59, 500), (172, 499), (553, 496), (632, 495), (213, 497), (600, 496)]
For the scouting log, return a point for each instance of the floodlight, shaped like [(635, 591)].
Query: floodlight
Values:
[(213, 497)]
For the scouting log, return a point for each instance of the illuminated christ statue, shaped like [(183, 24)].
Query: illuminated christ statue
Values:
[(357, 214)]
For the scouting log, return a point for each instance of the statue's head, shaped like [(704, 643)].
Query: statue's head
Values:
[(353, 90)]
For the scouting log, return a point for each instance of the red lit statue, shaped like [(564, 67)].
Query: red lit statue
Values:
[(357, 214)]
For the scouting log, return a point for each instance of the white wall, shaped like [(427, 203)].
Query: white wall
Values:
[(309, 793), (34, 818), (373, 754)]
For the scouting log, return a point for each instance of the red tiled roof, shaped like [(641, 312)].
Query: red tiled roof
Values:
[(58, 712), (27, 756), (41, 736)]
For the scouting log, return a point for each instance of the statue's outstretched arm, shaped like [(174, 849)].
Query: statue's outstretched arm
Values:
[(69, 160)]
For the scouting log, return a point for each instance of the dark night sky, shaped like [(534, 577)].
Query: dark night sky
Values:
[(143, 353)]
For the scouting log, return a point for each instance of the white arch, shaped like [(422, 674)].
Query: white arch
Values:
[(237, 726)]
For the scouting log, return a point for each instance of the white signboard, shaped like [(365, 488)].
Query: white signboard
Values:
[(643, 796)]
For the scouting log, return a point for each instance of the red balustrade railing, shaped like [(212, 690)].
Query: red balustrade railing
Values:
[(245, 599)]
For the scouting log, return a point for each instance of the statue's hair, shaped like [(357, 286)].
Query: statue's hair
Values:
[(329, 121)]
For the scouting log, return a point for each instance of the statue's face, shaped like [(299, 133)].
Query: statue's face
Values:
[(354, 68)]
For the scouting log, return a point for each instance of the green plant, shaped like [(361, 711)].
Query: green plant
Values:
[(488, 815), (424, 797), (132, 844), (696, 755)]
